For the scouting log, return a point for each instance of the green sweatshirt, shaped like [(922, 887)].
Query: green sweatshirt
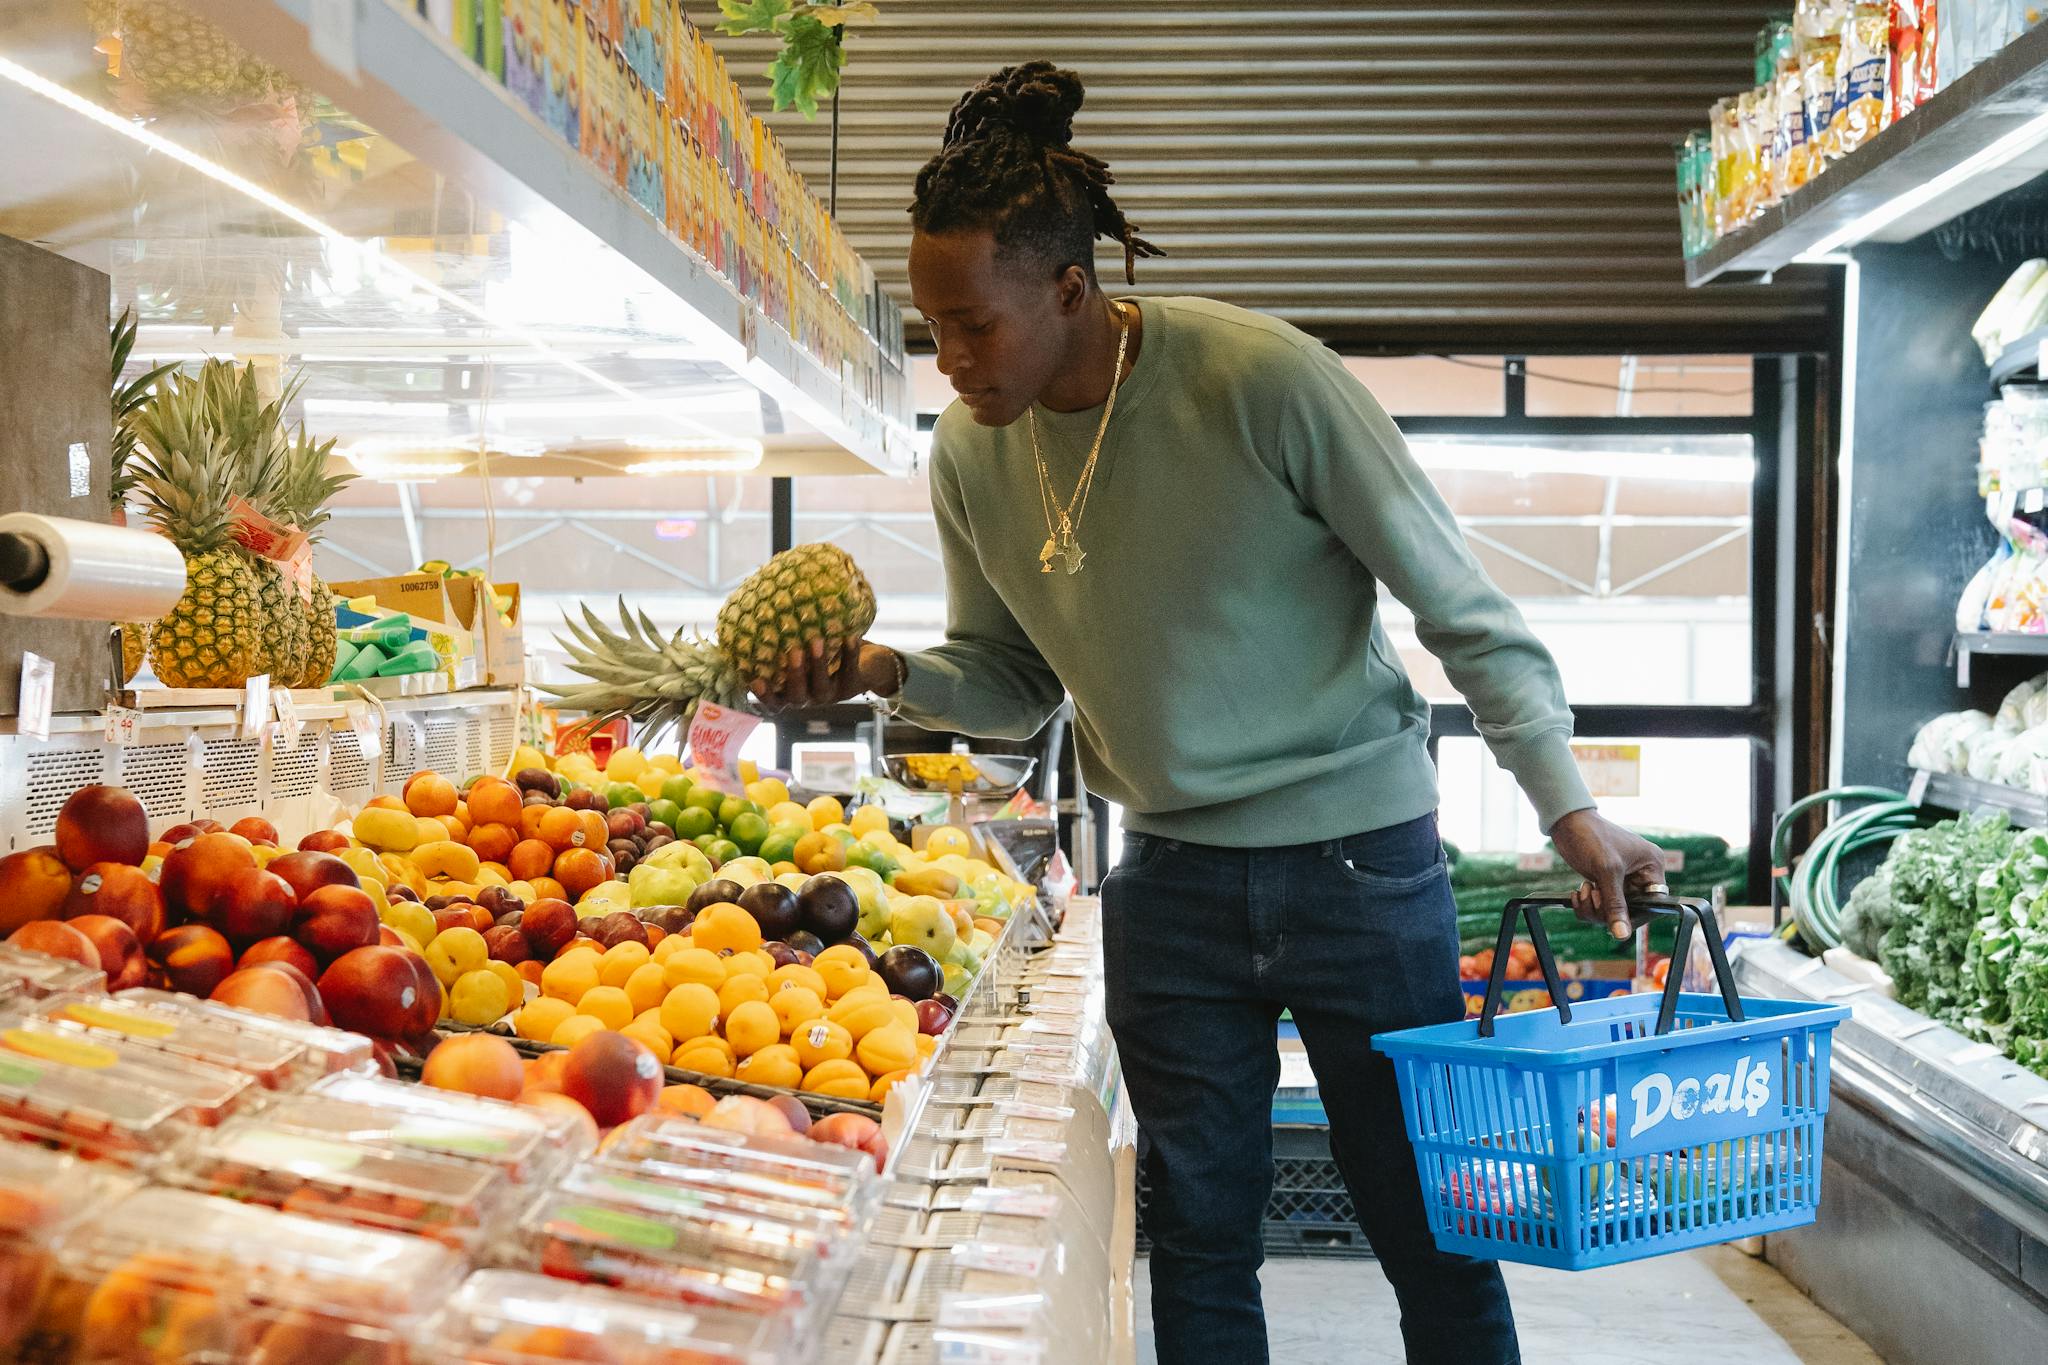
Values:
[(1232, 683)]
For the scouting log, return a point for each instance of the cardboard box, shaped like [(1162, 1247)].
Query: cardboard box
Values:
[(426, 598), (501, 648)]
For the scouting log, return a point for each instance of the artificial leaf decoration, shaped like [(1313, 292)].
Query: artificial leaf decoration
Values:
[(807, 68)]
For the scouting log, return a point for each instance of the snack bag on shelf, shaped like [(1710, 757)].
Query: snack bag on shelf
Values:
[(1763, 115), (1914, 25), (1721, 130), (1819, 26), (1863, 77)]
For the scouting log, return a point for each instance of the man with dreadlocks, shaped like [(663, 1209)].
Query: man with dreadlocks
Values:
[(1180, 513)]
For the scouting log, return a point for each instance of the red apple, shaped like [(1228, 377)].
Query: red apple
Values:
[(289, 951), (384, 992), (193, 958), (332, 920), (194, 874), (308, 872), (324, 841), (265, 990), (255, 829), (119, 890), (120, 951), (254, 905), (102, 825)]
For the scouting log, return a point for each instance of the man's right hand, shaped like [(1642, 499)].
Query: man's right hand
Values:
[(815, 678)]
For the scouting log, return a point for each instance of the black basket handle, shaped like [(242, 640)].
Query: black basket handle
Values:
[(1691, 912)]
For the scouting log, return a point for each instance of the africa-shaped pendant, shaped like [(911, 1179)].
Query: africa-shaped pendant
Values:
[(1072, 553)]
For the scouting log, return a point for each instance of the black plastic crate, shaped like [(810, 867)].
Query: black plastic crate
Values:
[(1309, 1213)]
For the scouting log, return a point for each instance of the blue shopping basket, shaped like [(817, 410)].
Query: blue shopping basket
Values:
[(1623, 1128)]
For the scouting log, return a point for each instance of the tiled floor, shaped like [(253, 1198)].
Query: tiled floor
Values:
[(1709, 1307)]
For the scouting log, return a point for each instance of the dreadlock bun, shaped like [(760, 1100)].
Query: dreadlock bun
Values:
[(1009, 166), (1036, 99)]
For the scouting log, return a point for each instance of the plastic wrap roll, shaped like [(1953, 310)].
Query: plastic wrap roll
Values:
[(95, 572)]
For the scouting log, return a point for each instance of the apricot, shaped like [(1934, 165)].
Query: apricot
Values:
[(494, 843), (528, 859), (193, 958), (102, 825), (430, 795), (475, 1064), (58, 939), (614, 1077), (195, 874), (116, 889), (493, 801), (693, 1101), (579, 869), (265, 989), (119, 949)]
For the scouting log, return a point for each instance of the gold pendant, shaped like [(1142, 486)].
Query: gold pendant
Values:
[(1045, 556)]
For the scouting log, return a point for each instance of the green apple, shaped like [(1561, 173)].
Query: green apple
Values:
[(780, 845), (621, 794), (664, 812), (981, 942), (957, 979), (925, 923), (746, 871)]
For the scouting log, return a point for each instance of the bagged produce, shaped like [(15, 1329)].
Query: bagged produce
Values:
[(1987, 753), (2012, 711), (1943, 744), (1995, 326)]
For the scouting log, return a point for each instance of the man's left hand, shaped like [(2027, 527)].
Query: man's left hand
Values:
[(1613, 862)]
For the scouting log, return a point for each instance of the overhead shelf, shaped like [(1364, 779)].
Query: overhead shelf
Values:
[(446, 269), (1982, 136), (2021, 361), (1956, 792), (1995, 644)]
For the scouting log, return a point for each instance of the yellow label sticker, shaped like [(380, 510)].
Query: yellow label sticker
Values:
[(65, 1051), (113, 1021)]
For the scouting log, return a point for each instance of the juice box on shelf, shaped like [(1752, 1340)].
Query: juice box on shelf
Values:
[(593, 67), (107, 1100), (511, 1317), (532, 1146), (199, 1278), (43, 1194), (279, 1054), (37, 976), (620, 104), (461, 1204), (525, 47), (565, 70)]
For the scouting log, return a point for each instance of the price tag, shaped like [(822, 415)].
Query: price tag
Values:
[(716, 734), (1674, 860), (38, 692), (1033, 1202), (1001, 1259), (334, 34), (1541, 860), (972, 1311), (1034, 1150), (963, 1350), (369, 736), (1055, 1026), (289, 726), (256, 706), (80, 457), (1611, 769), (124, 726)]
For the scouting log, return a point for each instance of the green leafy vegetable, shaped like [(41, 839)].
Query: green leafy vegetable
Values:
[(806, 70)]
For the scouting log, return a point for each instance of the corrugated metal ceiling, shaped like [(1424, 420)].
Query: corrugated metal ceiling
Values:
[(1493, 175)]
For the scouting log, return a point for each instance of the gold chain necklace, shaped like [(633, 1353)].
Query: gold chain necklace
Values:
[(1063, 522)]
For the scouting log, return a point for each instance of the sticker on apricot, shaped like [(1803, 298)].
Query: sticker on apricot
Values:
[(64, 1051), (616, 1225), (269, 1149), (113, 1021)]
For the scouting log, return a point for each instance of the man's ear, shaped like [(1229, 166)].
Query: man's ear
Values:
[(1072, 286)]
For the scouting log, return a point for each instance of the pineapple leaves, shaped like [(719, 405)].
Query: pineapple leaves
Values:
[(806, 70)]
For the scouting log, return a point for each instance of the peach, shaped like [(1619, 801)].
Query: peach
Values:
[(387, 802), (691, 1100), (579, 869), (494, 801), (255, 904), (614, 1077), (284, 949), (494, 843), (191, 829), (324, 841), (508, 944), (334, 920), (102, 825), (384, 992), (548, 926), (34, 885), (545, 1071), (264, 989), (193, 958), (430, 795), (119, 949), (58, 939), (308, 871), (119, 890), (857, 1131), (255, 829), (475, 1064), (194, 874), (389, 936), (316, 1008), (547, 889)]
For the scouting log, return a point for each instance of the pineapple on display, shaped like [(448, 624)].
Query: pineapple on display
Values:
[(302, 500), (812, 592), (209, 638)]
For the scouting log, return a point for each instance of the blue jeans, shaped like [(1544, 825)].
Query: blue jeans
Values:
[(1203, 948)]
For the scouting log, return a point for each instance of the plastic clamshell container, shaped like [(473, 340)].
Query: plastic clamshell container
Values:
[(267, 1060), (836, 1229), (511, 1317), (672, 1148), (532, 1146), (106, 1099), (205, 1279), (36, 976), (42, 1195), (461, 1204), (663, 1255), (318, 1051)]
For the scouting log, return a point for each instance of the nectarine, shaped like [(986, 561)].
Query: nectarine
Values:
[(254, 904), (193, 958), (120, 951), (195, 874), (58, 939), (34, 885), (475, 1064), (119, 890), (316, 1008), (102, 825), (308, 872), (281, 949), (612, 1076), (255, 829), (264, 989), (333, 920), (384, 992), (324, 841), (548, 926)]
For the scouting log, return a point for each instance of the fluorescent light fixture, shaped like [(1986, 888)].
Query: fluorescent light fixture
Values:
[(408, 471), (391, 274), (1989, 158), (1603, 464)]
